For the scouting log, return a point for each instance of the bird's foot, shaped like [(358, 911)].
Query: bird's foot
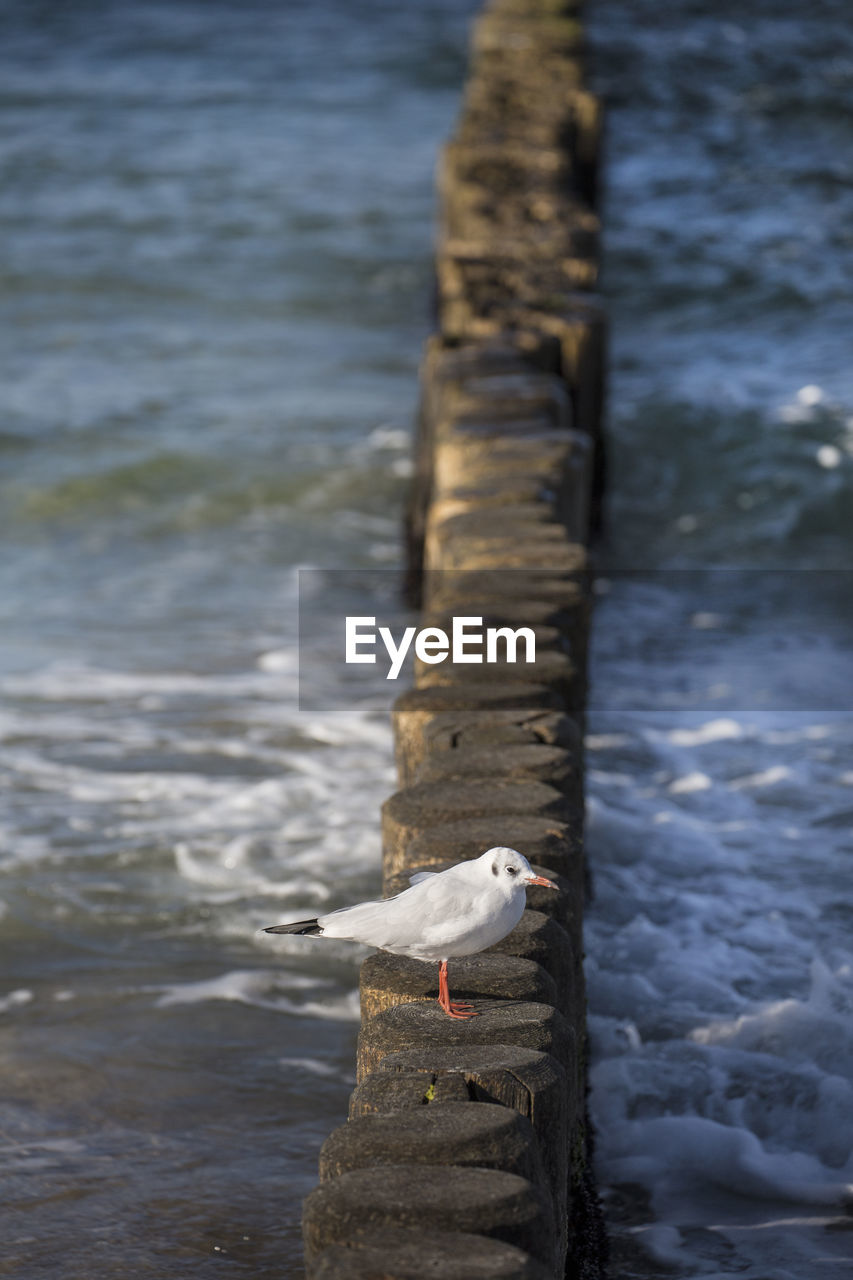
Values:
[(459, 1009)]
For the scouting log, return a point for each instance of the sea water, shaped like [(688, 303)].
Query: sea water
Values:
[(217, 230), (720, 753)]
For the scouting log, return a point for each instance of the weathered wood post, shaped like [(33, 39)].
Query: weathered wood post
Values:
[(466, 1154)]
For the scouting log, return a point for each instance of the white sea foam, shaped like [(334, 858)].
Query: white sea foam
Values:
[(389, 437), (74, 682), (722, 730), (706, 621), (601, 741), (829, 456), (689, 783), (15, 999), (764, 778), (313, 1067), (818, 1029), (672, 1152), (723, 1072), (264, 989), (38, 1155), (277, 660)]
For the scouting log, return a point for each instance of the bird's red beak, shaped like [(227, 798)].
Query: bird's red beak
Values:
[(546, 884)]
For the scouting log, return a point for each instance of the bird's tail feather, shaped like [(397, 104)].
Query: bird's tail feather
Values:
[(299, 926)]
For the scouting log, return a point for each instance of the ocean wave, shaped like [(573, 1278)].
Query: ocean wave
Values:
[(720, 985), (264, 989)]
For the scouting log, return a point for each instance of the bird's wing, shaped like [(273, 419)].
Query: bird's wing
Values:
[(361, 923), (448, 913), (379, 923), (441, 903), (420, 876)]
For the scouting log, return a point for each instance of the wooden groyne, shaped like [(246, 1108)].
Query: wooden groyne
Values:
[(467, 1150)]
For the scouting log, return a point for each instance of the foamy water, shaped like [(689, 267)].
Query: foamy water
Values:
[(217, 225), (720, 967), (721, 987)]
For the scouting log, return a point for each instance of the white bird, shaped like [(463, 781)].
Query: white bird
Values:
[(444, 914)]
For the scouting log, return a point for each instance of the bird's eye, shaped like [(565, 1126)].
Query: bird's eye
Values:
[(512, 871)]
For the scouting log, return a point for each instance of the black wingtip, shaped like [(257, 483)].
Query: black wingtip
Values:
[(298, 926)]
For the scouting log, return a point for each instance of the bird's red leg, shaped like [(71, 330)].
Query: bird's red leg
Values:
[(453, 1008)]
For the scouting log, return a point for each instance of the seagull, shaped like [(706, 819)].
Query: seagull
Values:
[(457, 912)]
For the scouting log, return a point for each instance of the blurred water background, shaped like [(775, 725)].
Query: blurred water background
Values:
[(216, 223), (720, 771)]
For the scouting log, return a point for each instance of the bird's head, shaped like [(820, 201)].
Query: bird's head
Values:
[(511, 869)]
